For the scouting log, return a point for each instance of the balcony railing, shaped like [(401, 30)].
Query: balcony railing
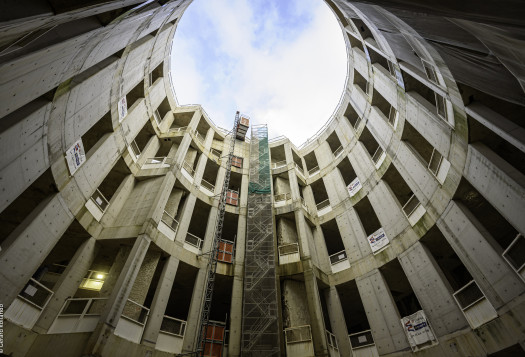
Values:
[(83, 307), (173, 326), (290, 248), (411, 205), (300, 171), (323, 205), (435, 162), (392, 117), (180, 130), (208, 186), (198, 137), (475, 306), (515, 254), (36, 294), (188, 168), (361, 339), (78, 315), (338, 151), (135, 148), (303, 203), (338, 257), (313, 171), (282, 197), (332, 340), (298, 334), (357, 122), (216, 153), (193, 240), (276, 165), (468, 295), (163, 160), (136, 312), (377, 155), (99, 199), (170, 221)]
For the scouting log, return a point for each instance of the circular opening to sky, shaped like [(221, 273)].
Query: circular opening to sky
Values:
[(283, 63)]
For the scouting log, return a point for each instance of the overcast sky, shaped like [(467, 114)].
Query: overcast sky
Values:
[(282, 62)]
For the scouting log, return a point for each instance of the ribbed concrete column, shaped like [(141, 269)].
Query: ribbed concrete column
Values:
[(471, 242), (194, 315), (119, 295), (29, 245), (316, 314), (210, 229), (160, 301), (381, 312), (321, 249), (162, 197), (337, 321), (68, 283), (302, 234), (432, 289), (353, 235), (151, 148)]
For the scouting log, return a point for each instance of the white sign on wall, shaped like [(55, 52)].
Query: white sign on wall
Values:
[(122, 108), (417, 329), (75, 156), (378, 240), (354, 187)]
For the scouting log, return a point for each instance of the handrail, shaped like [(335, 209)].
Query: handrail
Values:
[(411, 205), (338, 257), (332, 340), (170, 221), (313, 171), (290, 248), (207, 185), (298, 334), (130, 311), (323, 204), (32, 295), (189, 168), (377, 154), (178, 130), (194, 240), (98, 198), (168, 323), (161, 160), (276, 165), (282, 197), (464, 304), (338, 151)]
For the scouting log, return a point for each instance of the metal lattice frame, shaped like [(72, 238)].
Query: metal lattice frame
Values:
[(212, 261), (260, 331)]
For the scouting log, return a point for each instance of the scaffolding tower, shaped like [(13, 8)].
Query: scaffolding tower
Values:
[(202, 338), (260, 326)]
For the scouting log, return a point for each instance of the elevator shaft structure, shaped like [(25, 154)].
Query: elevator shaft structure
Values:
[(214, 253), (260, 324)]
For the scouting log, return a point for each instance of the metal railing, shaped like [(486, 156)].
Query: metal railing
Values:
[(193, 240), (411, 205), (198, 137), (515, 253), (157, 117), (435, 162), (392, 116), (216, 153), (135, 148), (136, 312), (170, 221), (338, 257), (276, 165), (338, 151), (162, 160), (332, 340), (377, 154), (99, 199), (298, 334), (468, 295), (188, 168), (180, 130), (299, 169), (282, 197), (210, 187), (290, 248), (83, 307), (173, 326), (357, 122), (313, 171), (361, 339), (322, 205), (36, 294)]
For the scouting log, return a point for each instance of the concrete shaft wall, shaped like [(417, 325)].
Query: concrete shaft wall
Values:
[(410, 198)]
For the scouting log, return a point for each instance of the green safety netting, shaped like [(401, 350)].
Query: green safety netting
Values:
[(260, 180)]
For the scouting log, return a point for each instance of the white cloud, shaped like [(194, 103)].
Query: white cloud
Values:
[(232, 55)]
